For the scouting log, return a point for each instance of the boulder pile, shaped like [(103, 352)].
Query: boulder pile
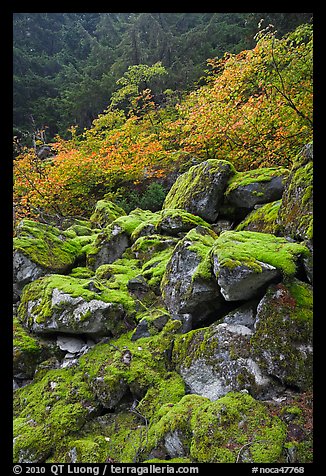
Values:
[(148, 336)]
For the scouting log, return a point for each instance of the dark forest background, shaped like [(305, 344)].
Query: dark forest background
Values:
[(66, 64)]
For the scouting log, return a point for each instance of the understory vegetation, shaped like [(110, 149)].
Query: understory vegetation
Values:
[(253, 108)]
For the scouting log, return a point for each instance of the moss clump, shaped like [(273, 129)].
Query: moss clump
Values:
[(234, 428), (105, 213), (47, 246), (27, 351), (145, 367), (81, 272), (249, 248), (264, 219)]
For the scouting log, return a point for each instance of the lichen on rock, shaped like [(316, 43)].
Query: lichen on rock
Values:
[(282, 342)]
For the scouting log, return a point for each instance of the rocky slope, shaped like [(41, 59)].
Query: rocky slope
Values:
[(183, 335)]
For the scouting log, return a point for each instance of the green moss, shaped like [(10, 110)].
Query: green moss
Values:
[(264, 219), (202, 241), (235, 248), (48, 410), (236, 427), (81, 272), (130, 222), (180, 220), (105, 213), (27, 351), (168, 391), (147, 367), (153, 270), (172, 418), (193, 346)]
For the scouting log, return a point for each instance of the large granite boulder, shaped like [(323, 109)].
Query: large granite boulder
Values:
[(63, 304), (217, 432), (200, 190), (218, 359)]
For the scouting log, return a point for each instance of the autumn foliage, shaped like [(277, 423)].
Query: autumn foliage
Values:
[(254, 110)]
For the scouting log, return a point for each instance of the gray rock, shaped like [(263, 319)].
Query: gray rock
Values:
[(73, 345), (109, 247), (225, 362), (243, 282), (247, 189), (173, 444), (24, 271)]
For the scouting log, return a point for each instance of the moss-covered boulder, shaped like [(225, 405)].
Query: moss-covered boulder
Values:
[(48, 410), (176, 221), (153, 253), (189, 289), (218, 359), (105, 213), (282, 342), (262, 219), (57, 303), (113, 241), (247, 189), (296, 213), (235, 428), (245, 261), (40, 249), (200, 190)]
